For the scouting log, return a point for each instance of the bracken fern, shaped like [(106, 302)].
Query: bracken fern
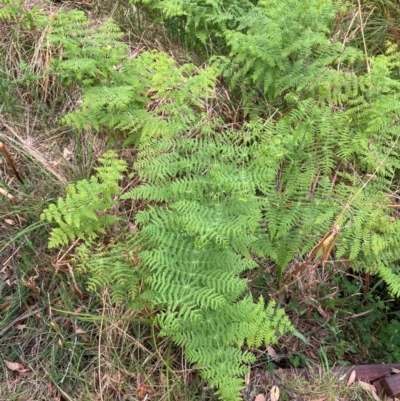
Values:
[(215, 197), (81, 213)]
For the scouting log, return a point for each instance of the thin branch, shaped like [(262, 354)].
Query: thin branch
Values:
[(10, 162), (363, 37)]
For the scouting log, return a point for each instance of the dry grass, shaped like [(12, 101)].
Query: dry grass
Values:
[(323, 385)]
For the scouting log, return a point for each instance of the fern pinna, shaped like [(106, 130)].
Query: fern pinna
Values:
[(81, 213)]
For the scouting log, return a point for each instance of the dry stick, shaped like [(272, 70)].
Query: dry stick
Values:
[(10, 257), (10, 162), (30, 312), (331, 236), (99, 344), (67, 252), (348, 31), (363, 37), (358, 315), (346, 36), (355, 196), (34, 153)]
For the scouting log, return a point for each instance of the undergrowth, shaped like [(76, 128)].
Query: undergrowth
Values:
[(212, 221)]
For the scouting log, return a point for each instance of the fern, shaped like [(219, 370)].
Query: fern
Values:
[(211, 339), (110, 266), (122, 105), (86, 55), (119, 92), (191, 255), (216, 197), (28, 19), (81, 213), (266, 48), (10, 9)]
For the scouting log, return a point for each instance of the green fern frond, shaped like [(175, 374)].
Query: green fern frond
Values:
[(81, 213), (217, 197), (10, 9), (112, 267)]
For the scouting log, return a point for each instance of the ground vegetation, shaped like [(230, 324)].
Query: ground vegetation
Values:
[(193, 192)]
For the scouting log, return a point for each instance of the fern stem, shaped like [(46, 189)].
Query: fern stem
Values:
[(371, 176)]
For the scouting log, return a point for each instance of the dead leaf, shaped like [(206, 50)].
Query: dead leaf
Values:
[(30, 283), (67, 154), (74, 286), (25, 374), (20, 326), (77, 291), (312, 355), (144, 390), (322, 312), (394, 370), (320, 399), (163, 379), (10, 222), (260, 397), (133, 228), (271, 351), (274, 396), (16, 367), (370, 388), (79, 331), (54, 325), (9, 196), (5, 307), (50, 389), (352, 378)]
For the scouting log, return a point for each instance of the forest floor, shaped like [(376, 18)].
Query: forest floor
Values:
[(60, 342)]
